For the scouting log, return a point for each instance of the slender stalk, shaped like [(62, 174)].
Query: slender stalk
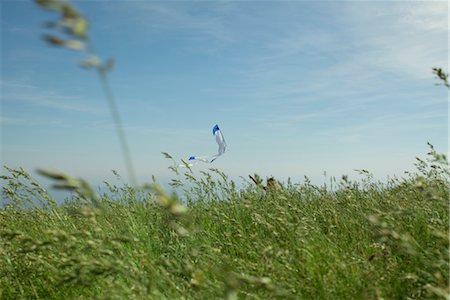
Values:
[(118, 124), (115, 115), (76, 25)]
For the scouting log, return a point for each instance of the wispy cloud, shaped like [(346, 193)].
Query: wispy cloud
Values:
[(17, 29), (11, 121), (21, 121), (22, 91), (204, 21), (361, 69), (408, 38)]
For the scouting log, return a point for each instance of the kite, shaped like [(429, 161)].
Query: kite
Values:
[(193, 160)]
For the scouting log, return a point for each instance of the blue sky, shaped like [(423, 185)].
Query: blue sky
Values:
[(298, 87)]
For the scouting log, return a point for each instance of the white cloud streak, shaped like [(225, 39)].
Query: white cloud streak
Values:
[(22, 91), (194, 21), (377, 48)]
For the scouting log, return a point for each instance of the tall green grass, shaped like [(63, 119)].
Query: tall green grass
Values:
[(352, 240), (358, 240)]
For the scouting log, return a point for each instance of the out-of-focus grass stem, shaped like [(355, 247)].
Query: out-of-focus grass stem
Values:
[(118, 124), (112, 104)]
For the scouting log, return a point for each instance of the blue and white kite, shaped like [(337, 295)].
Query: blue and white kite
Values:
[(193, 160)]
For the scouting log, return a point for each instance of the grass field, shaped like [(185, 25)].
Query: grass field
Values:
[(352, 240)]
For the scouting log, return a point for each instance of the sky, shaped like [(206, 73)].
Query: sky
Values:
[(298, 88)]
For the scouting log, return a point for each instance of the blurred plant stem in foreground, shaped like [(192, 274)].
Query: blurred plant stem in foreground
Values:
[(75, 27)]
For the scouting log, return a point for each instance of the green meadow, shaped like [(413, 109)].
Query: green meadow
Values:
[(212, 240)]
